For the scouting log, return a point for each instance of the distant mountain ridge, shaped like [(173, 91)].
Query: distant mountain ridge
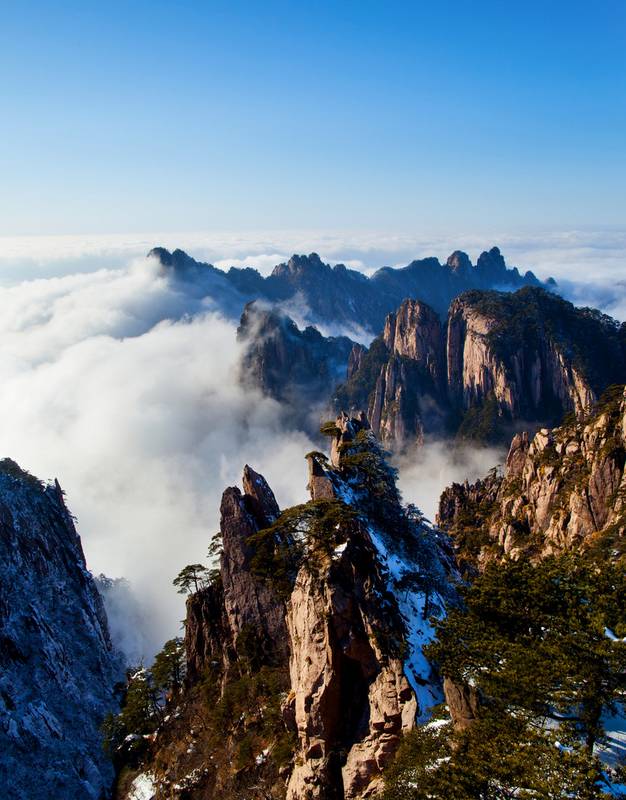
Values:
[(341, 296)]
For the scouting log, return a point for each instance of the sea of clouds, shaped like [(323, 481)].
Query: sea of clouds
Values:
[(125, 387), (135, 407)]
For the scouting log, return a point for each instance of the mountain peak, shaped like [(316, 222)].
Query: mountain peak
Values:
[(459, 262), (491, 264), (162, 255), (300, 265)]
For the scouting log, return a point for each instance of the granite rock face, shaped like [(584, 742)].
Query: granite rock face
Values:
[(58, 669), (500, 361), (409, 397), (250, 605), (239, 603), (463, 703), (208, 638), (348, 695), (528, 372), (343, 640), (562, 490)]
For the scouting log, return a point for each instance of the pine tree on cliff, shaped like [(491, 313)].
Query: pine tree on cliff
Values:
[(191, 578), (535, 642), (168, 669), (141, 712)]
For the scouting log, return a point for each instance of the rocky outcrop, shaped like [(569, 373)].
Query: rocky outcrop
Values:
[(338, 295), (415, 332), (409, 395), (521, 363), (241, 604), (310, 642), (297, 367), (562, 490), (319, 484), (351, 700), (500, 360), (58, 669), (463, 703), (344, 433), (352, 692), (208, 638)]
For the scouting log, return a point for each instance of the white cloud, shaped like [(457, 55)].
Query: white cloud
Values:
[(144, 426), (424, 474)]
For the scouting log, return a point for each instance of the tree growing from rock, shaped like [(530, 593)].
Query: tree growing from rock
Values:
[(168, 669), (191, 579)]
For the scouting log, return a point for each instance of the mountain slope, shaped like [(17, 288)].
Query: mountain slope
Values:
[(501, 360), (340, 296), (58, 668)]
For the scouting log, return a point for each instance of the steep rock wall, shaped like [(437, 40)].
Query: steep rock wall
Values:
[(58, 669), (501, 361)]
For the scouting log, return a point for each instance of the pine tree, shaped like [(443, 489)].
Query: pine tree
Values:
[(531, 640), (168, 669), (191, 578), (141, 713)]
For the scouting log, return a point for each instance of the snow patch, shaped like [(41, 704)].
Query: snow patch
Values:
[(420, 631), (143, 787)]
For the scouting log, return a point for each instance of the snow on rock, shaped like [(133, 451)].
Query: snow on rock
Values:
[(57, 665), (415, 611), (143, 787)]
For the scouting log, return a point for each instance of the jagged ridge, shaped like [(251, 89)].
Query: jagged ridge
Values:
[(563, 490), (341, 296)]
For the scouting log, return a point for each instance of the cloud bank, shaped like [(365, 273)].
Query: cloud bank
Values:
[(141, 420), (124, 388), (436, 465), (590, 265)]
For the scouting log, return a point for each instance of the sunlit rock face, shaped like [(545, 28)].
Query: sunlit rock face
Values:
[(337, 596), (563, 489), (498, 363), (58, 669)]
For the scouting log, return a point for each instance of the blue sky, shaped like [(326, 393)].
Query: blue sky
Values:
[(122, 117)]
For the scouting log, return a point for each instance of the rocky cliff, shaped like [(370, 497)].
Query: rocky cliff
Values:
[(500, 361), (304, 656), (296, 367), (57, 665), (340, 296), (564, 489)]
